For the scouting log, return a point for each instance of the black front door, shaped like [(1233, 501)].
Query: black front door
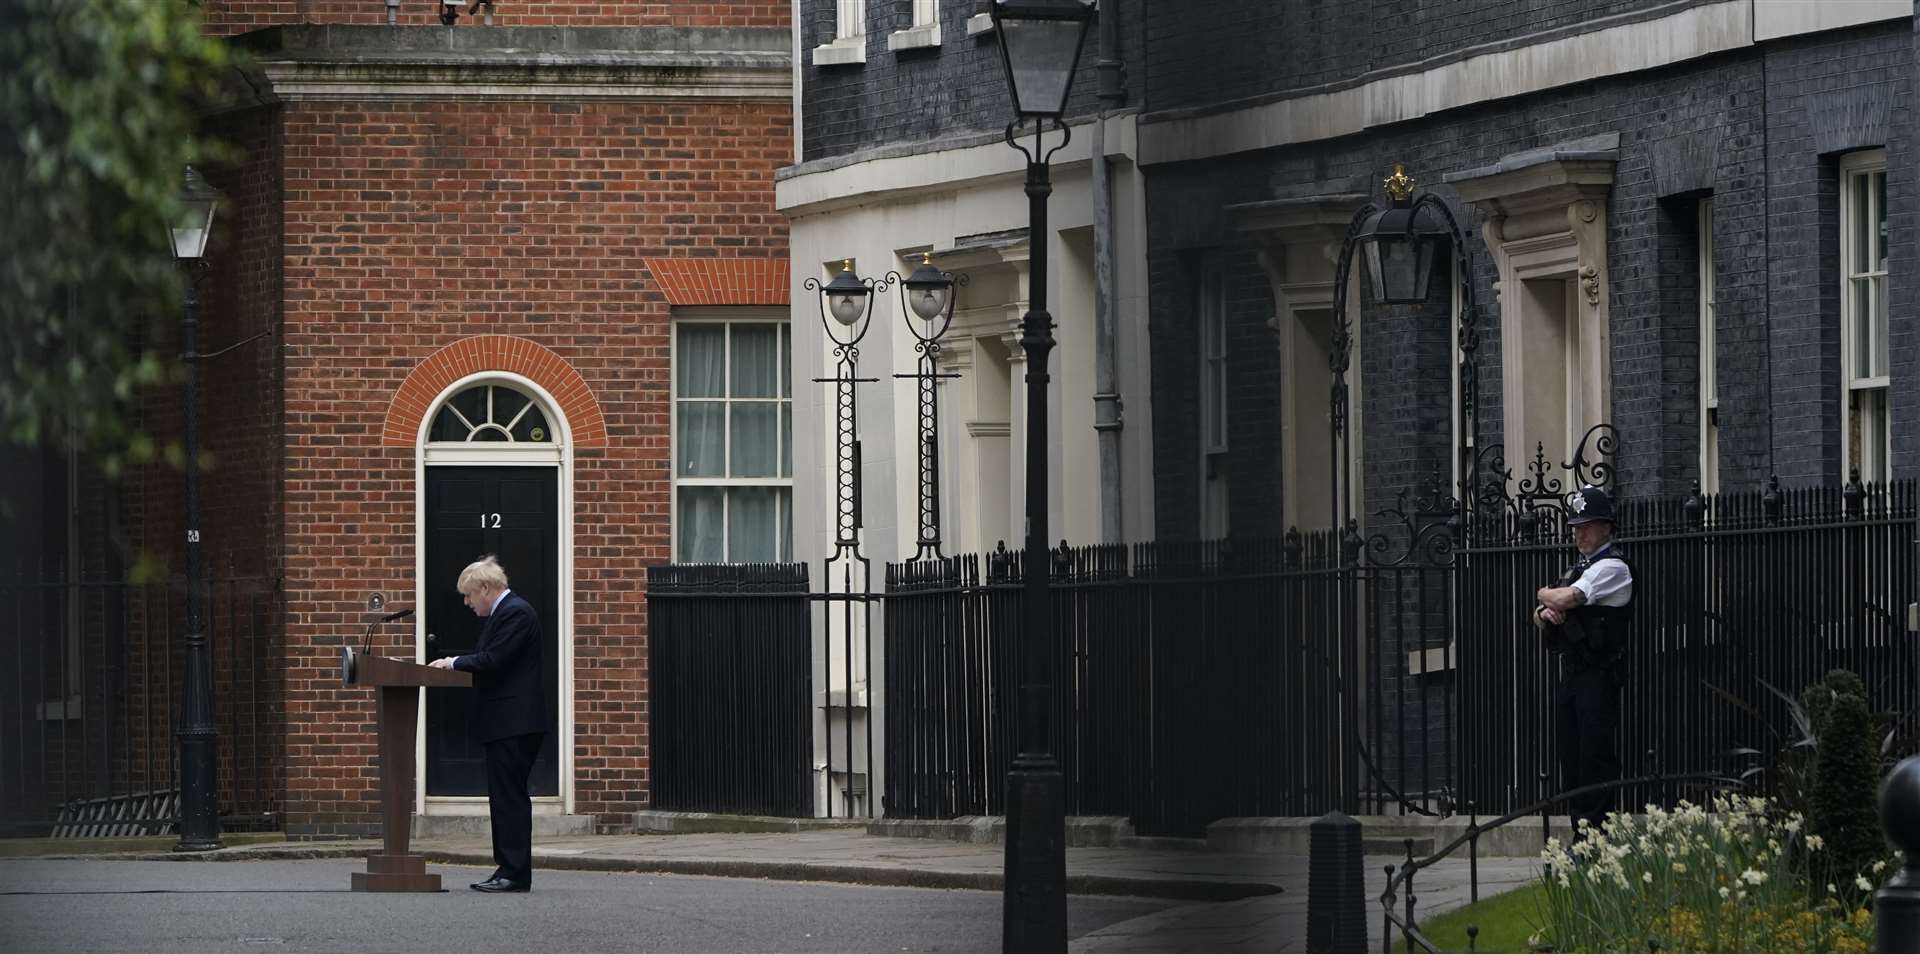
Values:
[(512, 513)]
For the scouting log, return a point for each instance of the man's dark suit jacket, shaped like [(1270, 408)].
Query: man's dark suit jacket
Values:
[(505, 664)]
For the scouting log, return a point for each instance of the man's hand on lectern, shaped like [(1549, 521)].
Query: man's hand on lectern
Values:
[(444, 662)]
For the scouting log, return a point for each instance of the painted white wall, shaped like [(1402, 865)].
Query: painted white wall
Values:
[(935, 202)]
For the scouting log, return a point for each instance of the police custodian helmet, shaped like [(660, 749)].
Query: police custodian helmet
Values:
[(1587, 505)]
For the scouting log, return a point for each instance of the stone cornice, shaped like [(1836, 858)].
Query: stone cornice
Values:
[(336, 63)]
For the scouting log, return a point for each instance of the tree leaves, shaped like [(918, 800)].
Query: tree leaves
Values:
[(97, 122)]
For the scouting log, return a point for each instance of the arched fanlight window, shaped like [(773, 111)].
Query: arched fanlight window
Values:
[(491, 413)]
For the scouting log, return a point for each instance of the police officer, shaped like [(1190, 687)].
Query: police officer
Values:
[(1584, 619)]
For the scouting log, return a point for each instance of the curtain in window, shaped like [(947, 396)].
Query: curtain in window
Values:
[(702, 425), (755, 531), (702, 523)]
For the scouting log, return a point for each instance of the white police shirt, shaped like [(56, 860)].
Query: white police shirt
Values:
[(1607, 581)]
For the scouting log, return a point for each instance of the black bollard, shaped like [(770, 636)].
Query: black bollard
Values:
[(1336, 887), (1896, 906)]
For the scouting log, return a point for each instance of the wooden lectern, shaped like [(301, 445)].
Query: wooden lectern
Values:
[(399, 682)]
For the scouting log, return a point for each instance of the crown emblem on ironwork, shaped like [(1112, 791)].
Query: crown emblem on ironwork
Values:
[(1399, 185)]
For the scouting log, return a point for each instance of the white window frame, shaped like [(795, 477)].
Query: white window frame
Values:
[(783, 454), (849, 43), (1211, 307), (1875, 457), (1457, 306), (924, 32), (1709, 343)]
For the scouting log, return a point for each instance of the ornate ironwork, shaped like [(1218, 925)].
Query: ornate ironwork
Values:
[(927, 334), (846, 444), (1425, 530), (1522, 508)]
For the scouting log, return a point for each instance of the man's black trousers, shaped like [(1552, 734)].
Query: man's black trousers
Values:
[(1587, 715), (509, 769)]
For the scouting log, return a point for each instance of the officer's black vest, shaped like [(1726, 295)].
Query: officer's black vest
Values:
[(1593, 637)]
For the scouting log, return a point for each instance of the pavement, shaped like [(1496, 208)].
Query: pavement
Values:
[(1232, 901)]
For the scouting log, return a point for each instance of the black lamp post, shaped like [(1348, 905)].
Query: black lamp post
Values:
[(928, 297), (1040, 44), (199, 791), (1399, 244)]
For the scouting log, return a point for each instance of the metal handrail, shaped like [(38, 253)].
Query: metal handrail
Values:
[(1411, 936)]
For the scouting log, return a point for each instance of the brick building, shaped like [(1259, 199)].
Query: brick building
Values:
[(1690, 220), (1655, 196), (469, 250)]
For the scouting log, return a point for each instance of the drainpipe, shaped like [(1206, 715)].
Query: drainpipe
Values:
[(1107, 421)]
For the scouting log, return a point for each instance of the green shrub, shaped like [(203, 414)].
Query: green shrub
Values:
[(1846, 778)]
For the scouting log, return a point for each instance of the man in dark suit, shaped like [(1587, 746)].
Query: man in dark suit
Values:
[(509, 715)]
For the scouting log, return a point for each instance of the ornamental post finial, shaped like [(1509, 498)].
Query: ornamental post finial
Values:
[(1399, 185)]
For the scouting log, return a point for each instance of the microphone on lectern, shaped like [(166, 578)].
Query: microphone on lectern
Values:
[(367, 640)]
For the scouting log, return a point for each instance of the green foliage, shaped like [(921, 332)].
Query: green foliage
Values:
[(1505, 923), (1846, 782), (97, 122), (1818, 698), (1740, 877)]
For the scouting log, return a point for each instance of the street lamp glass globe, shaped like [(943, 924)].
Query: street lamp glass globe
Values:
[(195, 223), (927, 303), (928, 289), (1040, 44), (1399, 255), (846, 308), (847, 295)]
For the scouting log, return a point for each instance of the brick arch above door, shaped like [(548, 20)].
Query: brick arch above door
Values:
[(494, 353)]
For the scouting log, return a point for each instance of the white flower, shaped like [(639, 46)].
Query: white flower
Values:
[(1861, 882), (1792, 824), (1879, 866), (1753, 877), (1679, 867), (1815, 842), (1647, 877), (1832, 888), (1723, 891)]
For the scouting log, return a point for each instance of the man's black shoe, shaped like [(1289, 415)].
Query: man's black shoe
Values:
[(501, 886)]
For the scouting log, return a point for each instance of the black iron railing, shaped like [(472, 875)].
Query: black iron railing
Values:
[(1391, 672), (729, 652), (90, 684), (1200, 681), (1739, 599)]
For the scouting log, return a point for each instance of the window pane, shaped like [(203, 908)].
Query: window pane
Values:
[(1880, 226), (1862, 317), (1879, 325), (703, 449), (447, 427), (1877, 433), (756, 359), (786, 440), (786, 361), (533, 428), (1862, 225), (507, 403), (756, 450), (472, 405), (701, 525), (785, 497), (753, 530), (702, 356)]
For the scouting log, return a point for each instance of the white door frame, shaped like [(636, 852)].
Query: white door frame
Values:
[(558, 453)]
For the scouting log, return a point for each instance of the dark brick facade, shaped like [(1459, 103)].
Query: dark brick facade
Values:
[(1735, 126), (921, 95), (1209, 52)]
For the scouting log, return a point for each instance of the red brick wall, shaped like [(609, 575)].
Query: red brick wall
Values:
[(413, 226), (239, 16)]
